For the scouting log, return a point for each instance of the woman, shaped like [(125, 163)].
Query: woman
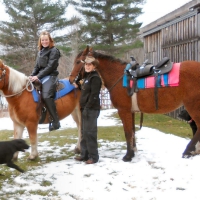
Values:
[(90, 108), (45, 70)]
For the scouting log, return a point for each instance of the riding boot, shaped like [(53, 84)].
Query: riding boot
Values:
[(51, 107)]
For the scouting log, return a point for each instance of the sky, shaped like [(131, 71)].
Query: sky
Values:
[(157, 172), (152, 9)]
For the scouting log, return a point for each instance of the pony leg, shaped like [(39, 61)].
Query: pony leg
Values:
[(18, 132), (128, 125), (76, 115), (32, 131)]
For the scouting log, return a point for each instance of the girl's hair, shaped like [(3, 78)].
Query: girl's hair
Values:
[(51, 42), (95, 63)]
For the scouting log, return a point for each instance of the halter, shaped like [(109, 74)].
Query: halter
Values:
[(78, 71)]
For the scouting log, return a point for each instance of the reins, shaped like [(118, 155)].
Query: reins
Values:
[(29, 83), (108, 90)]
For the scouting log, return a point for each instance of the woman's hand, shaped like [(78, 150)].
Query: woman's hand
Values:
[(33, 78)]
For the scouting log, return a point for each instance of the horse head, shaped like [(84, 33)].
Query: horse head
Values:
[(78, 64)]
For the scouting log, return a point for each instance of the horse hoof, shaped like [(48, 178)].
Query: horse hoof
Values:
[(31, 158), (15, 159), (125, 159), (128, 158), (129, 155), (186, 155)]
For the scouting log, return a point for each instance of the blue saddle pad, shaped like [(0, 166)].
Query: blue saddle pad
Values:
[(68, 87)]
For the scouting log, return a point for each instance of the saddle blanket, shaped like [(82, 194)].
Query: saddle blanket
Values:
[(166, 80), (68, 87)]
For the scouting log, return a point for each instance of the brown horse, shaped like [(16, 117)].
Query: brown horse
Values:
[(187, 93), (17, 88)]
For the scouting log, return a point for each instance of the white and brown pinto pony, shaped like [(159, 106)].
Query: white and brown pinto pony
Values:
[(23, 110)]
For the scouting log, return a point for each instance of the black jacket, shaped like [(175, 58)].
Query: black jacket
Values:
[(90, 90), (46, 63)]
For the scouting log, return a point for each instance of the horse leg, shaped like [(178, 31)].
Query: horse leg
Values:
[(76, 115), (32, 131), (18, 131), (191, 147), (133, 123), (128, 125)]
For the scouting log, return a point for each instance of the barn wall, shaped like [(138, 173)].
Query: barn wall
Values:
[(179, 41), (176, 35)]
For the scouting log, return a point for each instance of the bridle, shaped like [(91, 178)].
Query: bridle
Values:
[(3, 74)]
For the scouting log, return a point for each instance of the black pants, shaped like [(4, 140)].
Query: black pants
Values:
[(89, 145), (49, 87)]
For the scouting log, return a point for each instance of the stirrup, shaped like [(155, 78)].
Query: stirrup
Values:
[(54, 126)]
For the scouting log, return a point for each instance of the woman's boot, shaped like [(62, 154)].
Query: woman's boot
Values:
[(51, 107)]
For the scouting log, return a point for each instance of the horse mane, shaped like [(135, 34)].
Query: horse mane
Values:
[(107, 57), (104, 56), (17, 80)]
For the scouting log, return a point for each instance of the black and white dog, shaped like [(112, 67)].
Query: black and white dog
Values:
[(184, 115), (7, 150)]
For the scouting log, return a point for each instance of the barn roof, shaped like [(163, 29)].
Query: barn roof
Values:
[(189, 9)]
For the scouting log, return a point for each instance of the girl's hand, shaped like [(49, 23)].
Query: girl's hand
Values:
[(75, 85)]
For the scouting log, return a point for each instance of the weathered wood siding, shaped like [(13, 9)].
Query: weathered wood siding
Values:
[(177, 38), (179, 41)]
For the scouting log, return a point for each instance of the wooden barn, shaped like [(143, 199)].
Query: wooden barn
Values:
[(175, 35)]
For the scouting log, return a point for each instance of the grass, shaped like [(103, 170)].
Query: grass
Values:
[(164, 123), (61, 140)]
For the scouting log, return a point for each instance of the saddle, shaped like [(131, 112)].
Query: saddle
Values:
[(136, 72), (38, 85), (148, 69)]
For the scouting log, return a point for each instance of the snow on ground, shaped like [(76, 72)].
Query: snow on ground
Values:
[(157, 172)]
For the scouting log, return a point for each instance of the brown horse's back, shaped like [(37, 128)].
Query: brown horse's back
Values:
[(187, 93), (171, 98)]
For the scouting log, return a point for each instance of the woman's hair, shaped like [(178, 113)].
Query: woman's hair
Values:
[(51, 42)]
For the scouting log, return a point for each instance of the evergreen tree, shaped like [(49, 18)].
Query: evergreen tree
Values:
[(19, 35), (110, 25)]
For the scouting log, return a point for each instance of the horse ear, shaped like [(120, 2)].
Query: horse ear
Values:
[(86, 50), (1, 62), (90, 51)]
